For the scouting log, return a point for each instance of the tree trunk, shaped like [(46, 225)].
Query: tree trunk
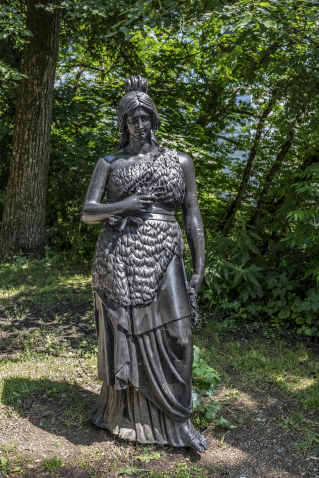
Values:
[(272, 173), (256, 220), (23, 225), (243, 186)]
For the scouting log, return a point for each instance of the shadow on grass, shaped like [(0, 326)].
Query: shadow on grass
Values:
[(61, 322), (55, 407), (58, 410)]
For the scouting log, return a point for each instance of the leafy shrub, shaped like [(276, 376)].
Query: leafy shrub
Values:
[(205, 381), (244, 280)]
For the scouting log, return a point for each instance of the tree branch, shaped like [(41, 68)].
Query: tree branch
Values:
[(272, 173), (243, 112), (237, 143), (275, 168), (243, 186), (82, 65)]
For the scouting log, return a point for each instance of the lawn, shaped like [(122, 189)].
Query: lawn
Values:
[(269, 391)]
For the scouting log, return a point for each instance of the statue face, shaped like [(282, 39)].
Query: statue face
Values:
[(139, 124)]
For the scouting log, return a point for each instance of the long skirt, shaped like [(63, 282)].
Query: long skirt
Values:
[(147, 379)]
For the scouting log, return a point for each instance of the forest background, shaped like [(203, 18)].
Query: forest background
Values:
[(236, 84)]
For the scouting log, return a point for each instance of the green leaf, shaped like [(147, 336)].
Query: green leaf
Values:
[(152, 13), (110, 34), (284, 314), (125, 11), (255, 249), (196, 354), (125, 30), (269, 23), (236, 280), (253, 279), (140, 5), (226, 29), (196, 399), (117, 24), (224, 423), (245, 258), (253, 234), (242, 22)]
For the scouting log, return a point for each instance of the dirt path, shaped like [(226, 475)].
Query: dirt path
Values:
[(48, 382), (259, 446)]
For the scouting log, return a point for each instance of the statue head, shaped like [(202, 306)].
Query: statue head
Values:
[(136, 98)]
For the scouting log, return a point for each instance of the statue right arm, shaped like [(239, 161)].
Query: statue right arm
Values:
[(94, 212)]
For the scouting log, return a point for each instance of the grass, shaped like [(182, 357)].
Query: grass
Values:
[(54, 463), (181, 470), (46, 356), (294, 371)]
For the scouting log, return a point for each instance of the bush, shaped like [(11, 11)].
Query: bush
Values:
[(246, 280)]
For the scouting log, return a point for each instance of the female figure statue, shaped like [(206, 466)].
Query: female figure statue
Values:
[(142, 309)]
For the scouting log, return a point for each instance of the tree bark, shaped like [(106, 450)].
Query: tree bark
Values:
[(23, 225), (243, 186)]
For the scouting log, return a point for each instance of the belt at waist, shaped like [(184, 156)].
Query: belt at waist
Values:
[(139, 218), (150, 216)]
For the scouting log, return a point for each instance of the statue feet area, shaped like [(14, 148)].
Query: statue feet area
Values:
[(199, 443)]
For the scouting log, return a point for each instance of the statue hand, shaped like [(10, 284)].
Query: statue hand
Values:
[(196, 282), (136, 204)]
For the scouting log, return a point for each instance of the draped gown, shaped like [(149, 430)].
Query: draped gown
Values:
[(142, 311)]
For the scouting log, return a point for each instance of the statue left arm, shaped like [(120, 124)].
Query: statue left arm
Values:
[(193, 221)]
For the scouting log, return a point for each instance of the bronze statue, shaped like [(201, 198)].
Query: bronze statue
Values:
[(143, 313)]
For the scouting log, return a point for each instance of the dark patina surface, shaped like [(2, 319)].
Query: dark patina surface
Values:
[(143, 313)]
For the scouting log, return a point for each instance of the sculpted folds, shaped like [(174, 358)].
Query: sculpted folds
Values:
[(142, 309)]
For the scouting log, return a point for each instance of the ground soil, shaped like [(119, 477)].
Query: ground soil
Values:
[(257, 446)]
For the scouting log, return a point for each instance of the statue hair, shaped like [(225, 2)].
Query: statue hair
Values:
[(136, 97)]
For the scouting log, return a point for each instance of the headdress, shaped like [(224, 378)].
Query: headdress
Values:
[(136, 97)]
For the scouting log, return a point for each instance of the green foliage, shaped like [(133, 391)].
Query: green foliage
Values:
[(6, 467), (54, 463), (205, 381), (214, 69), (129, 470), (244, 282)]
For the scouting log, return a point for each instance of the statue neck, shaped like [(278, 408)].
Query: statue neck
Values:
[(141, 146)]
